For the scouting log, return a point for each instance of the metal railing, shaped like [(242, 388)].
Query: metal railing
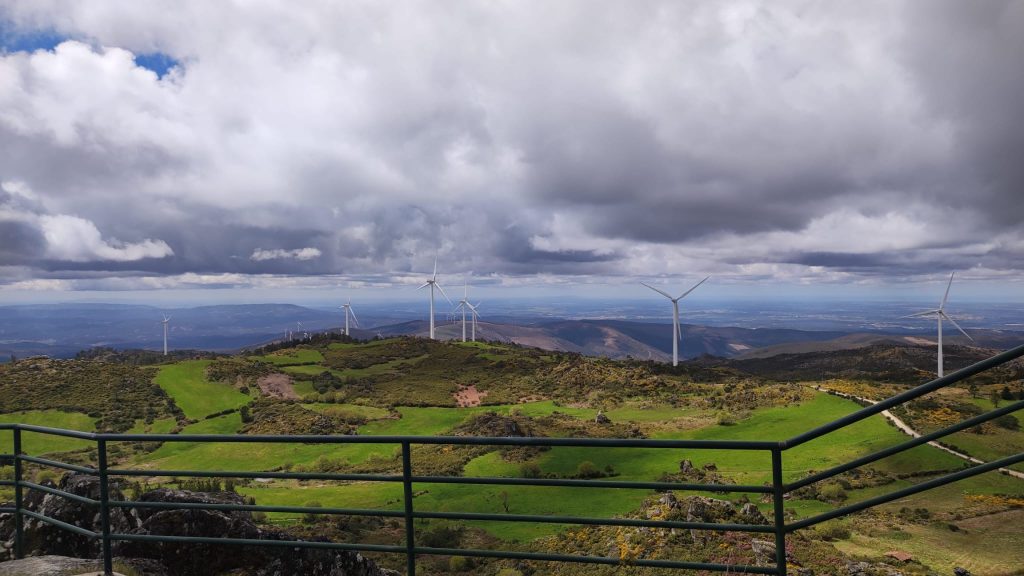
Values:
[(777, 488)]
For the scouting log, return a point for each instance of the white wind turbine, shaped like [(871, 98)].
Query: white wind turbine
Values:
[(940, 315), (348, 310), (465, 306), (433, 284), (164, 322), (677, 331)]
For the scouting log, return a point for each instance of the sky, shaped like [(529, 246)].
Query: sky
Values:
[(274, 150)]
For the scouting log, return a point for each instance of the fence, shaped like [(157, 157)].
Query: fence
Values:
[(777, 489)]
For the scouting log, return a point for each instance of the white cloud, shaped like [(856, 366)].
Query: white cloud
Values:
[(307, 253), (75, 239)]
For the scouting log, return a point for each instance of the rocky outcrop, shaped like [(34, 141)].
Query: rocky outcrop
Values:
[(50, 539), (179, 558)]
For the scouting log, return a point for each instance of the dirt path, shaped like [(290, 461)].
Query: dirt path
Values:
[(906, 429), (277, 386), (468, 396)]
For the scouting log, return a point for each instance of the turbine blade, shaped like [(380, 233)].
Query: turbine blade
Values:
[(425, 284), (434, 277), (663, 293), (694, 287), (443, 294), (944, 297), (953, 322), (919, 314), (353, 313)]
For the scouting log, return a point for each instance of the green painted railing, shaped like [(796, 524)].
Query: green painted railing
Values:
[(778, 488)]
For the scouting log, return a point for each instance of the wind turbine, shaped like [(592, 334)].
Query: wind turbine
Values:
[(433, 284), (348, 310), (164, 322), (677, 331), (940, 314), (465, 305)]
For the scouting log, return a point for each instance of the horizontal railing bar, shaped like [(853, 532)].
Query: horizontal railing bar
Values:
[(256, 508), (8, 483), (594, 521), (241, 474), (256, 542), (61, 525), (7, 425), (61, 493), (5, 510), (739, 568), (56, 464), (57, 431), (903, 397), (6, 457), (589, 483), (980, 419), (908, 491)]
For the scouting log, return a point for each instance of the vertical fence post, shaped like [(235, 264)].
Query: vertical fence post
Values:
[(19, 521), (108, 563), (778, 492), (410, 542)]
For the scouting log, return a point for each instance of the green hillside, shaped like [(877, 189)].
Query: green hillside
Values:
[(408, 386)]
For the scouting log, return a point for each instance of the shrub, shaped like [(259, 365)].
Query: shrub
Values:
[(442, 537), (831, 531), (832, 492), (311, 517), (587, 469), (1008, 422), (458, 564), (530, 470)]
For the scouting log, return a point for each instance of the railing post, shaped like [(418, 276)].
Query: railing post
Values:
[(19, 521), (778, 492), (108, 561), (410, 542)]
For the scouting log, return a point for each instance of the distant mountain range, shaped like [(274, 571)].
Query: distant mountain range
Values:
[(63, 330)]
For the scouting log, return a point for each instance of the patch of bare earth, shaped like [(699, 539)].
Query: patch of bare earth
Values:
[(531, 398), (277, 386), (468, 396)]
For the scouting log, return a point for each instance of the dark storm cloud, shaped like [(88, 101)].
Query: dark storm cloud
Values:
[(877, 140)]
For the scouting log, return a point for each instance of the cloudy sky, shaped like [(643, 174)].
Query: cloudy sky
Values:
[(275, 145)]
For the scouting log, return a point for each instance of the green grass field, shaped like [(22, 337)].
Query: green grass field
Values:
[(36, 444), (186, 383)]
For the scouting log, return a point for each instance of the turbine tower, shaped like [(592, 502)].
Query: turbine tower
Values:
[(472, 309), (940, 315), (348, 310), (433, 284), (165, 321), (677, 331)]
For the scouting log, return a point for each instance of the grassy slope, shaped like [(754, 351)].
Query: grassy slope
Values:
[(198, 397), (36, 444)]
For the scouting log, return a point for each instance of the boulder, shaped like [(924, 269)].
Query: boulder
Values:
[(751, 514), (685, 467), (50, 539), (602, 419)]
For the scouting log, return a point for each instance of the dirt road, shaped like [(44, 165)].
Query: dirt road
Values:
[(906, 429)]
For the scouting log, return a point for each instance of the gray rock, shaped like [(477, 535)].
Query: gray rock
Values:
[(751, 514), (48, 566)]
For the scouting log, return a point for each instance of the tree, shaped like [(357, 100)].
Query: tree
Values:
[(1005, 393), (993, 396)]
